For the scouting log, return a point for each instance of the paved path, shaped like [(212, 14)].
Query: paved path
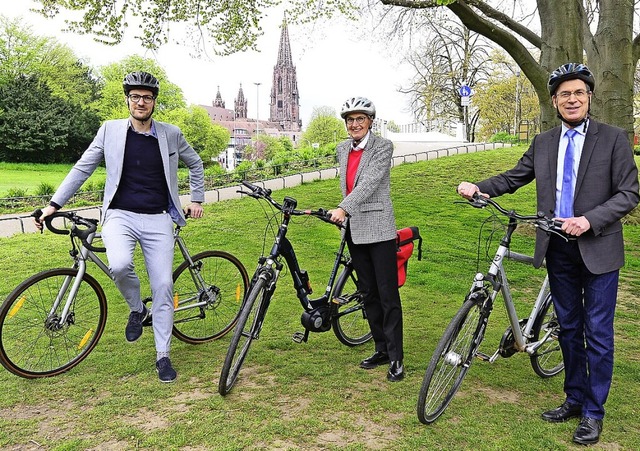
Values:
[(404, 152)]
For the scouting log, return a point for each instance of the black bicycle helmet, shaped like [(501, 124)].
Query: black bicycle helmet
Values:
[(358, 105), (570, 71), (141, 80)]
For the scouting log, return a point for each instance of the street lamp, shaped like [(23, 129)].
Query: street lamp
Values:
[(257, 110)]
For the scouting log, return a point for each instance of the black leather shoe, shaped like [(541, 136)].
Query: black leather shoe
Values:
[(396, 371), (378, 358), (588, 431), (134, 327), (563, 413)]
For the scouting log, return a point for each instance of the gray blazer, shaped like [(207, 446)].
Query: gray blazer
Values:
[(606, 190), (371, 217), (108, 145)]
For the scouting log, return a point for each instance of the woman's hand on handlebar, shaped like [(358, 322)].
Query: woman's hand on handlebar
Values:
[(46, 211), (468, 189), (338, 215)]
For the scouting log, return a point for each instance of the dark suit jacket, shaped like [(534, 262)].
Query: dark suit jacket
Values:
[(606, 190)]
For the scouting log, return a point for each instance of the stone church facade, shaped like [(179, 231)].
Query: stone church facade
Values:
[(284, 118)]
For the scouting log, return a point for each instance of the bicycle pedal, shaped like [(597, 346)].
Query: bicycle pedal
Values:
[(482, 356), (299, 337)]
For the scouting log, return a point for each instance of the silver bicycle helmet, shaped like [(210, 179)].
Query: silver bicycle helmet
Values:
[(358, 105), (141, 80), (570, 71)]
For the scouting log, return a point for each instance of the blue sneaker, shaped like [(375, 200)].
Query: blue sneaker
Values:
[(133, 331), (166, 373)]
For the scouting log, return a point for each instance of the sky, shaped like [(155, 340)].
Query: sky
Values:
[(332, 63)]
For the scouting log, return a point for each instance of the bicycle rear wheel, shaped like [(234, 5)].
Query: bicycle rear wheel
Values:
[(348, 317), (247, 329), (450, 361), (208, 295), (547, 360), (34, 342)]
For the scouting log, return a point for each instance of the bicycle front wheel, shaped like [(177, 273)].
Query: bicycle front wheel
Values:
[(247, 329), (348, 316), (450, 361), (547, 361), (35, 341), (208, 296)]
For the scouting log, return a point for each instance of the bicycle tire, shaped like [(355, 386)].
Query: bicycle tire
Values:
[(348, 316), (547, 361), (32, 343), (451, 361), (226, 283), (246, 330)]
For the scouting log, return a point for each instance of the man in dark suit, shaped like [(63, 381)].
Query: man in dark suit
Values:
[(585, 176)]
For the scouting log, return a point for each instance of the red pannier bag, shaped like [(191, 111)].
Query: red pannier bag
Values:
[(404, 241)]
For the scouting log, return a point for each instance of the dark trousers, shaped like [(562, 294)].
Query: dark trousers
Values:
[(585, 304), (375, 266)]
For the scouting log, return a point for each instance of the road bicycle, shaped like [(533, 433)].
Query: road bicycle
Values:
[(536, 336), (54, 319), (340, 307)]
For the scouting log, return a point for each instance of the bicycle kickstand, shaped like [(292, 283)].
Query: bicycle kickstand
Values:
[(299, 337)]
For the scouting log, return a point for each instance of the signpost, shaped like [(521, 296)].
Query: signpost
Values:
[(465, 100)]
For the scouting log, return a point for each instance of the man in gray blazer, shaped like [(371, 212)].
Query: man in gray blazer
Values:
[(141, 204), (365, 164), (585, 176)]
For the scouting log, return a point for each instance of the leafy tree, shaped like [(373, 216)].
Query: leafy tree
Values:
[(264, 149), (23, 53), (602, 30), (36, 126), (393, 127), (324, 127), (207, 138), (113, 104), (450, 56)]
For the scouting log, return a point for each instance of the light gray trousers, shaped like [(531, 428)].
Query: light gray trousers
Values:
[(121, 230)]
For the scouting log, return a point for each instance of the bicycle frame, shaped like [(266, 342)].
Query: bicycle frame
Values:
[(85, 254), (497, 276)]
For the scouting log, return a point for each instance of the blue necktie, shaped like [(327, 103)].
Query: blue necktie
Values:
[(566, 195)]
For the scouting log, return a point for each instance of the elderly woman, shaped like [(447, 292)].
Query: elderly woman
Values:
[(365, 163)]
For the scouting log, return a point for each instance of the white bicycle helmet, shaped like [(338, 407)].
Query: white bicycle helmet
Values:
[(358, 105)]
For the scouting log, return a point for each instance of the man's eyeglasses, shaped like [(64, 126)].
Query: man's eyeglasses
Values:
[(359, 120), (579, 93), (135, 98)]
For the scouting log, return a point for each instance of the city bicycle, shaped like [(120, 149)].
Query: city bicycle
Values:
[(536, 336), (340, 307), (54, 319)]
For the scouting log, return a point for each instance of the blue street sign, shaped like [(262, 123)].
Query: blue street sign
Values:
[(464, 91)]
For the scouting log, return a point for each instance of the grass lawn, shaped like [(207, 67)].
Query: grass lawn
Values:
[(29, 176), (313, 396)]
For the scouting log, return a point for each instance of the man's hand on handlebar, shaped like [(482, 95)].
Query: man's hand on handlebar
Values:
[(575, 226), (46, 211), (194, 210), (467, 190)]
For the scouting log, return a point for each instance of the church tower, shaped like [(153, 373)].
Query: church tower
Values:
[(285, 103), (218, 102), (240, 104)]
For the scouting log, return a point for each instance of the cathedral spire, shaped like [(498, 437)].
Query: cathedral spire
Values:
[(240, 104), (285, 102), (218, 102)]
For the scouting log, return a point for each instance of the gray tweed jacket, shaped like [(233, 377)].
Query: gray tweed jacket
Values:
[(369, 204)]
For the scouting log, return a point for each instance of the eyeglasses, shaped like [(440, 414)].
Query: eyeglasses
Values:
[(359, 120), (579, 93), (135, 98)]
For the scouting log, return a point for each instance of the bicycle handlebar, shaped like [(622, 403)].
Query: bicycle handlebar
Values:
[(539, 220), (289, 204), (89, 226)]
